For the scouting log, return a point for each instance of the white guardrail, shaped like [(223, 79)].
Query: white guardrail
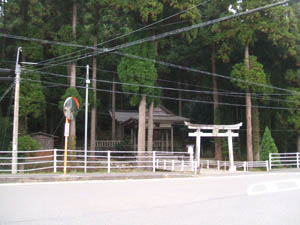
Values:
[(279, 160), (53, 161)]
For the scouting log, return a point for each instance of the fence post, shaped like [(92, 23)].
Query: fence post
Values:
[(54, 160), (165, 165), (108, 162), (218, 164), (191, 155), (267, 165), (157, 163), (153, 161), (173, 165), (297, 160), (270, 161), (245, 166), (182, 165), (207, 165)]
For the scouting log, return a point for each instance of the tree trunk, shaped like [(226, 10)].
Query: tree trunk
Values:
[(179, 100), (248, 110), (3, 2), (113, 110), (238, 117), (94, 105), (249, 126), (218, 149), (150, 128), (298, 143), (256, 134), (141, 129), (72, 138)]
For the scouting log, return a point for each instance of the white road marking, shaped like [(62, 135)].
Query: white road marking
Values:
[(274, 187)]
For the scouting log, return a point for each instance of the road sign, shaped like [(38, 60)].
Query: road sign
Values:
[(71, 107)]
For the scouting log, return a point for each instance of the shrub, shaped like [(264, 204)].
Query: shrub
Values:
[(27, 143), (267, 145)]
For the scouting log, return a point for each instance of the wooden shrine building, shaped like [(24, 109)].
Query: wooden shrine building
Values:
[(163, 129)]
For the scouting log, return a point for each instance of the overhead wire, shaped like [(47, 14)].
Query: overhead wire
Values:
[(140, 41), (186, 29), (221, 91), (176, 31), (197, 86), (169, 98), (228, 94), (7, 120), (200, 71), (7, 91), (132, 32)]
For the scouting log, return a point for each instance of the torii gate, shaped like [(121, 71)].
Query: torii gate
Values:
[(215, 133)]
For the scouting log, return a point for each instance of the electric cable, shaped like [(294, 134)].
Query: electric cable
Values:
[(171, 98), (228, 94), (177, 31), (7, 120), (132, 32)]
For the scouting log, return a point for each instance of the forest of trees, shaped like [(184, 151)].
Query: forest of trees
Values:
[(245, 69)]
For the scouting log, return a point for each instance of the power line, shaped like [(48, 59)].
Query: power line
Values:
[(222, 91), (228, 94), (170, 98), (7, 120), (180, 30), (132, 32), (151, 38), (193, 27), (204, 72), (199, 86), (7, 91), (189, 69)]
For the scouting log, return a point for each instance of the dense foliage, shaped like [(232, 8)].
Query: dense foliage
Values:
[(209, 82), (267, 145)]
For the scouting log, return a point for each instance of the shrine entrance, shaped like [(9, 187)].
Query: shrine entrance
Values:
[(215, 131)]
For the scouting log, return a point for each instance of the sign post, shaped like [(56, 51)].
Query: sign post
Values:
[(71, 107), (67, 128)]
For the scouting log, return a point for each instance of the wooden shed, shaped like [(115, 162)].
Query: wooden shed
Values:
[(47, 143)]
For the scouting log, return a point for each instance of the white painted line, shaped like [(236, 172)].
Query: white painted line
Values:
[(273, 187), (147, 180)]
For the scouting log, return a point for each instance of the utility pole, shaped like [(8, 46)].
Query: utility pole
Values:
[(87, 81), (14, 165)]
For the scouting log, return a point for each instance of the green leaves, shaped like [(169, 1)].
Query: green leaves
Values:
[(267, 145), (245, 78), (32, 99), (293, 100), (27, 143), (133, 73)]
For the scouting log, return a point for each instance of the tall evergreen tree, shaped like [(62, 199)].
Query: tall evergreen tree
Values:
[(267, 145), (134, 73)]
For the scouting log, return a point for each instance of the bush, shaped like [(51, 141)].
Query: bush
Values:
[(267, 145), (27, 143)]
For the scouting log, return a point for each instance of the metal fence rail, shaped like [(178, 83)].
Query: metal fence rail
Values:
[(291, 160), (52, 160), (245, 165)]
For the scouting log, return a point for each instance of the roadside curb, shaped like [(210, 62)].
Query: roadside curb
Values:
[(34, 178)]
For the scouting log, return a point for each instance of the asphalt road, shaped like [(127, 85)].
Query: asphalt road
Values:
[(261, 199)]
